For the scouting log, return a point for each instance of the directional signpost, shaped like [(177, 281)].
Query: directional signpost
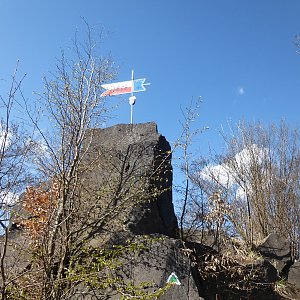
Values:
[(125, 87)]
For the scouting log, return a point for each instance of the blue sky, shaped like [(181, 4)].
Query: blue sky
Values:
[(239, 55)]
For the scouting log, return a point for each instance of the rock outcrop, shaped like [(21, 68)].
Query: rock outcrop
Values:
[(138, 159), (141, 152), (129, 168), (277, 250)]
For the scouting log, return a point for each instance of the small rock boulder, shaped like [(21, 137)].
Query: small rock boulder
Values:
[(294, 274)]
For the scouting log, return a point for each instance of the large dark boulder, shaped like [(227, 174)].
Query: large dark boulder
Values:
[(277, 250), (161, 258), (133, 162), (147, 270)]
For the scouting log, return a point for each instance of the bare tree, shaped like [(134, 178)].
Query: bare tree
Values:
[(75, 204), (191, 210), (15, 148), (73, 103), (258, 177)]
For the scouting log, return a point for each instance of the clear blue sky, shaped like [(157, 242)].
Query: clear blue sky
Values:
[(237, 54)]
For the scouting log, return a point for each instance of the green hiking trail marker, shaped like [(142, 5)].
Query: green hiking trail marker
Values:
[(173, 279)]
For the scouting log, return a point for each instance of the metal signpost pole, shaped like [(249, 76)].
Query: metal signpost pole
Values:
[(132, 98)]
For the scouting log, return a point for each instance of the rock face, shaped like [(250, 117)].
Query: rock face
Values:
[(137, 159), (167, 256), (157, 262)]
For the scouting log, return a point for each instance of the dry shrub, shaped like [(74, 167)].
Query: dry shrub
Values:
[(39, 204)]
